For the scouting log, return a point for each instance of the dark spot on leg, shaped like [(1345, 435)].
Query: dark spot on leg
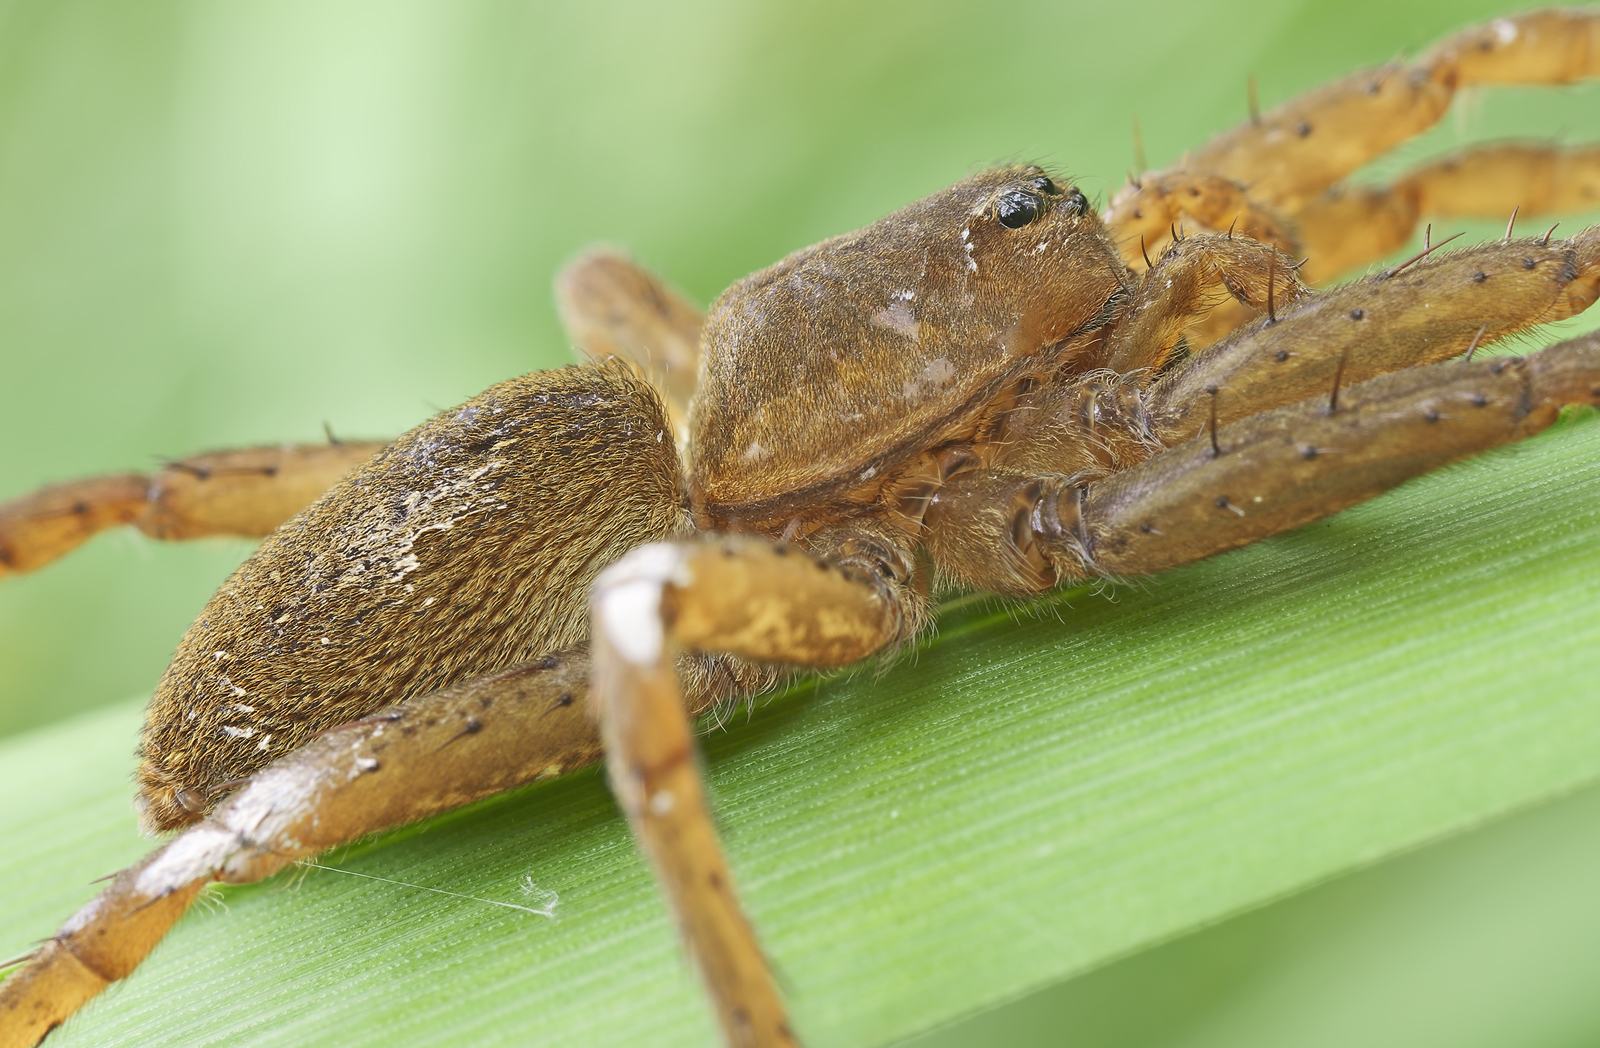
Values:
[(80, 508), (1146, 528), (1528, 263), (1281, 355), (1432, 415), (1481, 401), (715, 880), (189, 800), (1302, 129), (1308, 452), (551, 663), (1357, 314), (1479, 277), (1497, 367)]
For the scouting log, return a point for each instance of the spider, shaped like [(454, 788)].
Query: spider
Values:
[(1018, 407)]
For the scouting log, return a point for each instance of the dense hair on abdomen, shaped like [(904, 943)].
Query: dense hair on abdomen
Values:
[(466, 547)]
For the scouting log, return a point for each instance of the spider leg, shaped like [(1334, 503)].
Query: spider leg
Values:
[(1183, 285), (1418, 314), (1270, 171), (248, 492), (1294, 152), (750, 598), (1262, 475), (614, 307), (394, 767), (1349, 226), (1144, 214)]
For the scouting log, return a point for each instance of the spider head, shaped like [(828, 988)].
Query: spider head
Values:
[(1034, 256)]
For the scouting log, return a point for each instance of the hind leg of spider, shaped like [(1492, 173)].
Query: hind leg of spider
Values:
[(614, 307), (757, 600), (393, 767), (1260, 476), (248, 492)]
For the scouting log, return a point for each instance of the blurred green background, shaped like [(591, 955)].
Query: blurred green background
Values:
[(226, 223)]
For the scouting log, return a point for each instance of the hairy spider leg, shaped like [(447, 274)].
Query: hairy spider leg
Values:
[(751, 598), (247, 492), (390, 768), (613, 307), (1296, 464), (1286, 161), (1350, 226), (1396, 318), (1264, 475), (1185, 283)]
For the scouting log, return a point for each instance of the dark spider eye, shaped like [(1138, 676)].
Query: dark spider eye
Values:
[(1076, 203), (1016, 208), (1044, 185)]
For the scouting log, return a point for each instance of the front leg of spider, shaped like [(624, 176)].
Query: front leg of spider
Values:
[(734, 595)]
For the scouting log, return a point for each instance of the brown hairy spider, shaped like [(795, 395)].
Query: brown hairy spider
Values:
[(994, 389)]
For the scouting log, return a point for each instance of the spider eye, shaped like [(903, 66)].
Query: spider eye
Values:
[(1044, 184), (1076, 203), (1016, 208)]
